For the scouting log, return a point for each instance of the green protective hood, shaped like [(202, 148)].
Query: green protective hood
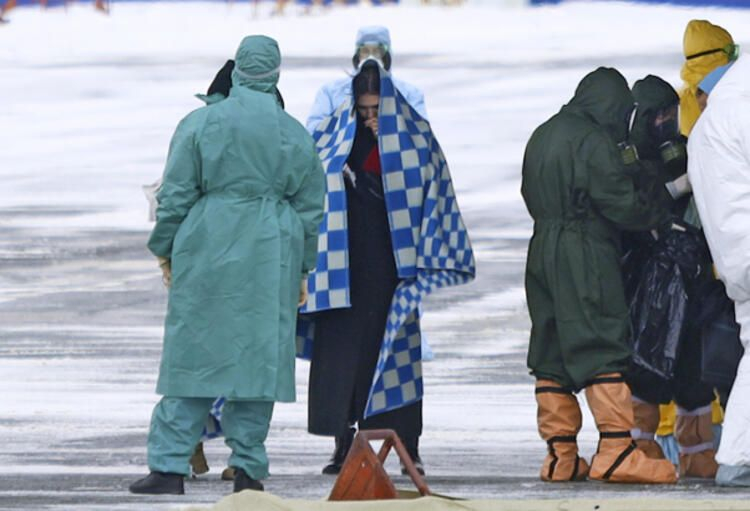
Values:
[(604, 96), (257, 64), (652, 94)]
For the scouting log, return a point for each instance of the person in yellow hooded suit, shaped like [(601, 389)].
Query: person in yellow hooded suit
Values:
[(706, 46)]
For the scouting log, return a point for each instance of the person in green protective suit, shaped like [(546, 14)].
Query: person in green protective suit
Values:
[(662, 156), (581, 197), (236, 233)]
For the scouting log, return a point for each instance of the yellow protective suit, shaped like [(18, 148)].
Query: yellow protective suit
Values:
[(705, 47)]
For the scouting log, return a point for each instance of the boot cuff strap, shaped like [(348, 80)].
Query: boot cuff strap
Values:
[(694, 449), (607, 379), (562, 439), (703, 410), (614, 434), (552, 390), (639, 434)]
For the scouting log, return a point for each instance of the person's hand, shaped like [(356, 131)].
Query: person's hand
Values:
[(166, 270), (372, 123), (302, 292), (679, 187)]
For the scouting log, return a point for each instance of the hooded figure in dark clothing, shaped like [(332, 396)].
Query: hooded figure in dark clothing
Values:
[(581, 198), (662, 158)]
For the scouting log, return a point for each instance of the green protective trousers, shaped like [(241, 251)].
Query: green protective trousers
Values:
[(177, 424)]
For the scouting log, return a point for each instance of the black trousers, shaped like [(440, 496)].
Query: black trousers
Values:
[(348, 341)]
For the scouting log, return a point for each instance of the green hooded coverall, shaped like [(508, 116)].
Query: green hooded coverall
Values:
[(580, 196), (239, 209)]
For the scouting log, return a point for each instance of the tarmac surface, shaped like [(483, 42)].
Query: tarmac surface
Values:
[(81, 314), (82, 309)]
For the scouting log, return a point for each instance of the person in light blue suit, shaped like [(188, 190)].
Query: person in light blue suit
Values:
[(372, 41)]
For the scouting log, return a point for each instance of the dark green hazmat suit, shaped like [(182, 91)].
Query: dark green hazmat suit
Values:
[(653, 95), (581, 198), (660, 165)]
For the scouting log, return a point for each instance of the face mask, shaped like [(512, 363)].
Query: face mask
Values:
[(666, 131), (376, 51), (665, 125)]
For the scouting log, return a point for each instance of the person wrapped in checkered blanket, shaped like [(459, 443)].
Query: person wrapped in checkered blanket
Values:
[(392, 233)]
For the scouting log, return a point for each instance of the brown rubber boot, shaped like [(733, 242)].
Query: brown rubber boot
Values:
[(646, 420), (617, 459), (695, 439), (198, 460), (559, 420)]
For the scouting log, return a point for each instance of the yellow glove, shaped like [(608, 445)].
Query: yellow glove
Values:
[(166, 270)]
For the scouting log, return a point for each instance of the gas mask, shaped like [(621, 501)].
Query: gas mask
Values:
[(372, 51), (664, 125), (672, 150), (628, 152)]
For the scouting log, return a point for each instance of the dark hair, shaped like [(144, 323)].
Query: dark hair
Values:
[(367, 80), (223, 83), (223, 80)]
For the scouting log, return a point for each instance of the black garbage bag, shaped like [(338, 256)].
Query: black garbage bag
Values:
[(721, 348), (659, 304), (637, 248)]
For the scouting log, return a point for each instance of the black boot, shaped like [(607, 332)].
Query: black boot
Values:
[(159, 483), (242, 481), (412, 447), (343, 444)]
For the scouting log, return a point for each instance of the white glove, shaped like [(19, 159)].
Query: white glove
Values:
[(679, 187)]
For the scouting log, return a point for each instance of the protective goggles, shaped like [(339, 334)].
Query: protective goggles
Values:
[(375, 50), (731, 50)]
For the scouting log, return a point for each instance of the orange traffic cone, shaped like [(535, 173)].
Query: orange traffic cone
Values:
[(362, 475)]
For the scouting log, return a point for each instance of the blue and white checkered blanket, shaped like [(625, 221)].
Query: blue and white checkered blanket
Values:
[(430, 243)]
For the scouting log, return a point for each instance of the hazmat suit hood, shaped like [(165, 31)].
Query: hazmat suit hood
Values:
[(373, 34), (604, 96), (700, 42), (652, 94), (257, 64)]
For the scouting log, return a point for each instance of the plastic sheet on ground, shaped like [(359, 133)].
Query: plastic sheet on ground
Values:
[(260, 501)]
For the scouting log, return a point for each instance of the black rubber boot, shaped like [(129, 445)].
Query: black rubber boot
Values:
[(412, 447), (343, 444), (159, 483), (242, 481)]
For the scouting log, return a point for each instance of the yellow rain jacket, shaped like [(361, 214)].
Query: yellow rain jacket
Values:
[(700, 44)]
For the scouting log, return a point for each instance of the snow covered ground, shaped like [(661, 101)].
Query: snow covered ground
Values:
[(89, 105)]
